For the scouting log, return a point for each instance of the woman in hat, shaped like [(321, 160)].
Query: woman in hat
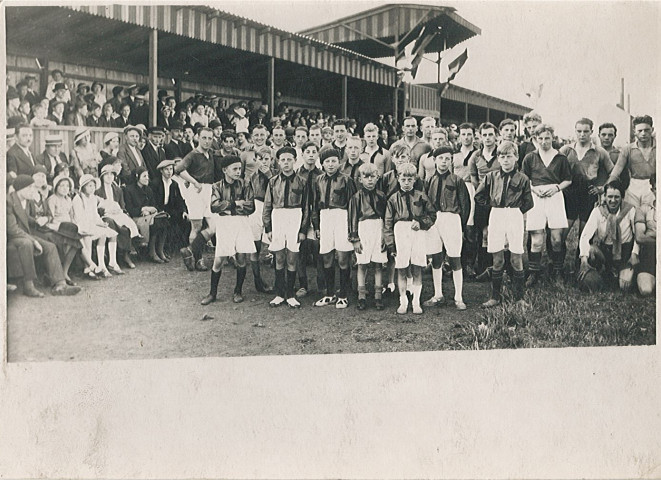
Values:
[(93, 228), (110, 145), (115, 214), (141, 206), (61, 230), (240, 122), (99, 94), (84, 157)]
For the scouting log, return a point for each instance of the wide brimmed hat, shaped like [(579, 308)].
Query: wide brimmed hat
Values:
[(59, 86), (95, 83), (165, 163), (80, 133), (87, 178), (60, 178), (69, 230), (109, 168), (109, 136), (240, 111)]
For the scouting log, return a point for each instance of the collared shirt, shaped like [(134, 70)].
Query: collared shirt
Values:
[(198, 165), (479, 165), (448, 193), (365, 205), (631, 157), (380, 158), (166, 189), (27, 153), (285, 192), (351, 169), (592, 169), (405, 207), (136, 154), (518, 195), (418, 149), (460, 165), (259, 182), (597, 226), (389, 184), (331, 192), (224, 196), (556, 172)]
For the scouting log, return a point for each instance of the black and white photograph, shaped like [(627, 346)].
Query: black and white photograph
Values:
[(312, 178)]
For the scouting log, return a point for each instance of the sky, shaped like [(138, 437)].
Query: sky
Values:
[(578, 50)]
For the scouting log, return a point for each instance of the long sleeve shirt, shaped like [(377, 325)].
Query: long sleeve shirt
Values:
[(596, 230), (260, 182), (479, 165), (405, 207), (517, 195), (285, 192), (380, 158), (448, 193), (224, 196), (389, 184), (632, 159), (351, 169), (331, 192), (365, 205), (592, 169)]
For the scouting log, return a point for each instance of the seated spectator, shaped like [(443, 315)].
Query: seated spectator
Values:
[(57, 112), (163, 117), (40, 117), (110, 145), (82, 89), (243, 141), (107, 119), (19, 156), (199, 116), (27, 246), (168, 198), (99, 93), (124, 118), (115, 214), (13, 102), (94, 229), (84, 157), (24, 111), (152, 223), (67, 241), (607, 243), (117, 99), (78, 116), (61, 94), (52, 156), (140, 111), (95, 115)]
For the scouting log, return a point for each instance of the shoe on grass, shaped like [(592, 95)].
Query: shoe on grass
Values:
[(460, 305), (237, 298), (492, 302), (342, 303), (208, 299), (277, 301), (362, 304), (435, 302), (301, 292), (402, 309), (378, 304), (293, 303), (325, 301), (417, 309)]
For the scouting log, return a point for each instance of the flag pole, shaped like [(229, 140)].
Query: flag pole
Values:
[(440, 87)]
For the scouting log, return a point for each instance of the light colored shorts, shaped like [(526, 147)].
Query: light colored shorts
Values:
[(286, 224), (198, 203), (370, 233), (547, 211), (334, 231), (233, 235), (505, 230), (446, 232), (410, 245), (639, 193), (256, 222)]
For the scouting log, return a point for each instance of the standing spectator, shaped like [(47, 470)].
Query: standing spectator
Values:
[(173, 147), (117, 99), (99, 93), (31, 96), (240, 122), (153, 153), (129, 153), (61, 94), (198, 116), (56, 77)]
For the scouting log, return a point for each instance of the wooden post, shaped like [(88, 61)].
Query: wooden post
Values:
[(344, 97), (270, 86), (488, 113), (395, 99), (153, 76), (466, 112)]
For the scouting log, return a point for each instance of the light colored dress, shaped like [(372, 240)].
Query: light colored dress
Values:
[(86, 216), (86, 160)]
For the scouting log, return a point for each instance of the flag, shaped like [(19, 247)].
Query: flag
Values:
[(444, 87), (535, 92), (455, 65), (424, 39)]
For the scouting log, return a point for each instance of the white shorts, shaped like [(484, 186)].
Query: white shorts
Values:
[(471, 197), (286, 224), (370, 233), (446, 232), (505, 229), (198, 203), (410, 245), (639, 193), (256, 222), (233, 235), (547, 211), (334, 231)]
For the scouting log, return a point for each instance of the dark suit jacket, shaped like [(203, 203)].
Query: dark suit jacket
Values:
[(18, 162), (173, 150), (152, 159), (129, 162), (55, 119), (19, 226), (103, 122), (117, 192), (176, 205), (121, 123), (49, 165)]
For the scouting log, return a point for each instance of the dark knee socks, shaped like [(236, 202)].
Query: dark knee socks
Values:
[(291, 280), (197, 246), (215, 279), (240, 277), (345, 280), (280, 286)]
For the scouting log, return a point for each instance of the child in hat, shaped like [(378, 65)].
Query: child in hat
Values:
[(285, 220), (331, 193), (409, 213), (507, 192), (449, 196), (93, 228), (366, 211), (232, 200)]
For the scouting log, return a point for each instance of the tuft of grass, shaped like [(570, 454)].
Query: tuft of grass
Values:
[(562, 316)]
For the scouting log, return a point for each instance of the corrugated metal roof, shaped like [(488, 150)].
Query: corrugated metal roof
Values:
[(223, 28), (392, 22)]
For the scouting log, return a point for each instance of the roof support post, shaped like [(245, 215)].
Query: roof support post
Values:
[(344, 96), (396, 48), (488, 113), (466, 112), (270, 86), (153, 76)]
